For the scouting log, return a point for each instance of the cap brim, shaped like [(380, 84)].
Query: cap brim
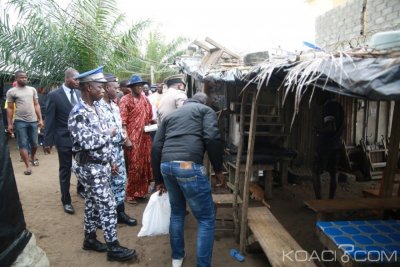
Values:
[(132, 84)]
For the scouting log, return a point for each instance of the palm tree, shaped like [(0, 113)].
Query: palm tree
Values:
[(161, 54), (47, 38)]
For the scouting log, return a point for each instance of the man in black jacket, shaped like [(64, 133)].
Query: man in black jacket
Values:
[(59, 104), (177, 154)]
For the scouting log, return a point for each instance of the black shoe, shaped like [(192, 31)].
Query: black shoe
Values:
[(68, 208), (94, 244), (124, 218), (115, 252)]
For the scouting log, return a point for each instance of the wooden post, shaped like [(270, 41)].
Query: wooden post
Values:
[(248, 172), (355, 110), (378, 107), (386, 189), (366, 116), (284, 166), (238, 157), (268, 183)]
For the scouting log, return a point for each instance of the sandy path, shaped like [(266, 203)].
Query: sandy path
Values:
[(60, 235)]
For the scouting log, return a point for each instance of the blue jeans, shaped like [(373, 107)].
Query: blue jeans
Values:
[(189, 183), (27, 134)]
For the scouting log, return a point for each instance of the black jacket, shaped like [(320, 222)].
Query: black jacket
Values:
[(58, 108), (184, 135)]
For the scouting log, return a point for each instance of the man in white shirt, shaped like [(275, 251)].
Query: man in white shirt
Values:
[(173, 98), (155, 99)]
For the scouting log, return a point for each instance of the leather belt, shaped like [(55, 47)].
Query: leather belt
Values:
[(83, 157), (96, 161)]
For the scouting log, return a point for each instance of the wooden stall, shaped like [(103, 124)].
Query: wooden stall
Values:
[(273, 102)]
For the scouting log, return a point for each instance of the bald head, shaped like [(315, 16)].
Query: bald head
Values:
[(70, 72), (69, 79)]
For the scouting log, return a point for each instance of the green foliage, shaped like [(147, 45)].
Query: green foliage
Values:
[(160, 54), (46, 39)]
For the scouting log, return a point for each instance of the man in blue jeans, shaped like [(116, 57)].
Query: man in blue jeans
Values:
[(27, 118), (177, 161)]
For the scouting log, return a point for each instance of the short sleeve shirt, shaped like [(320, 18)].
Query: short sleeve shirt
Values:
[(171, 100), (23, 98)]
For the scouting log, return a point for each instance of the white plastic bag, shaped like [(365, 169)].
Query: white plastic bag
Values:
[(156, 216)]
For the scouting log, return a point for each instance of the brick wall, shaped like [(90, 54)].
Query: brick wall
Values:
[(342, 26)]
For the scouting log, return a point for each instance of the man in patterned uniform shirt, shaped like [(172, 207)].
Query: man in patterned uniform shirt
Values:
[(113, 118), (93, 164)]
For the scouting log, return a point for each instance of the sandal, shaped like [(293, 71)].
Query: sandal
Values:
[(28, 172), (35, 162), (236, 255)]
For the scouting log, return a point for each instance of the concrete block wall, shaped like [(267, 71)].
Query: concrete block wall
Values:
[(342, 26)]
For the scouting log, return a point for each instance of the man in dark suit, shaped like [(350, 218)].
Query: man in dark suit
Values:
[(59, 104)]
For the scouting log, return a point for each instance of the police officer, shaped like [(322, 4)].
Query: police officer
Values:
[(113, 118), (94, 162)]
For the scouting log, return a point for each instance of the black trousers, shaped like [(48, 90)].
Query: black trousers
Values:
[(65, 163)]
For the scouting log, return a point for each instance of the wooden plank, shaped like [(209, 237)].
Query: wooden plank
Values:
[(273, 237), (336, 205), (230, 186), (378, 108), (238, 156), (261, 166), (354, 123), (211, 59), (393, 156), (225, 199), (248, 173), (229, 52), (378, 165), (202, 45), (265, 115), (259, 105), (373, 192), (266, 123), (268, 133)]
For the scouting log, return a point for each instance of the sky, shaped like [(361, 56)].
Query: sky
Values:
[(241, 26)]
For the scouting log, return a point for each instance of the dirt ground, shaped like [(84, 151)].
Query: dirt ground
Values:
[(61, 235)]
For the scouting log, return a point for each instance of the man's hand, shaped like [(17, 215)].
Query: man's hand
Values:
[(161, 188), (47, 149), (40, 124), (10, 128), (113, 131), (220, 180), (114, 169), (128, 144)]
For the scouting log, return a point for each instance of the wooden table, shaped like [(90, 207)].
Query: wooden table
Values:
[(325, 207)]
